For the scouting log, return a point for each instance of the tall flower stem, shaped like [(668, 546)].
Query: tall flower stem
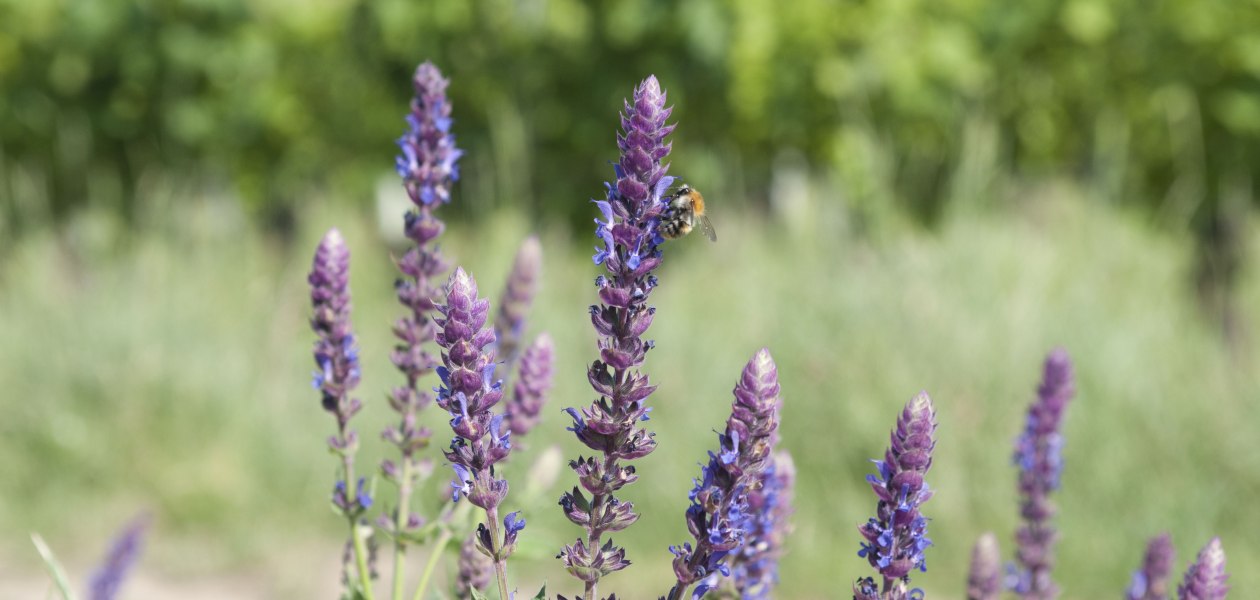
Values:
[(430, 565), (468, 393), (337, 374), (427, 163), (453, 513), (629, 251)]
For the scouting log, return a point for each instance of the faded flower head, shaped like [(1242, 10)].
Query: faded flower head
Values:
[(897, 536), (533, 381), (1039, 456), (428, 158), (1151, 581), (518, 296), (123, 553), (1206, 578), (985, 577), (475, 569)]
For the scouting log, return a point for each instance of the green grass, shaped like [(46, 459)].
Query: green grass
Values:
[(170, 371)]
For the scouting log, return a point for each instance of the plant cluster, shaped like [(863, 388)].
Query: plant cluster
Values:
[(494, 387)]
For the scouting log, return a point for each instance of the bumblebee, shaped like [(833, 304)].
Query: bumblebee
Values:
[(684, 212)]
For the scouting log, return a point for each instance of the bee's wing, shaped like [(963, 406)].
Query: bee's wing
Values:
[(707, 227)]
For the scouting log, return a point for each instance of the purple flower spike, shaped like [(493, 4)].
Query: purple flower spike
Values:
[(427, 165), (469, 391), (755, 568), (475, 569), (629, 252), (533, 381), (719, 517), (336, 354), (1151, 581), (1206, 577), (428, 158), (518, 295), (985, 578), (111, 573), (467, 394), (1039, 455), (896, 538)]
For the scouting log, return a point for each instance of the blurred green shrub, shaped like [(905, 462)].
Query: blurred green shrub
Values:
[(912, 102)]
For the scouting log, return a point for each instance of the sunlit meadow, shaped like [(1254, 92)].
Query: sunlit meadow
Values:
[(169, 372)]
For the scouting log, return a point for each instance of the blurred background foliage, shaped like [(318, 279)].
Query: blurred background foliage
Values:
[(909, 194), (1156, 103)]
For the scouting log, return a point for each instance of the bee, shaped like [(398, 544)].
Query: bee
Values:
[(685, 210)]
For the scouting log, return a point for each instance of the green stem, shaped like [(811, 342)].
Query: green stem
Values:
[(51, 563), (431, 565), (400, 523), (450, 512), (500, 565), (360, 559), (360, 550)]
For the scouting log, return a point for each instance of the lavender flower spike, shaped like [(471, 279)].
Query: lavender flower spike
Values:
[(1039, 455), (336, 354), (533, 381), (122, 555), (518, 295), (1151, 581), (897, 536), (469, 391), (984, 580), (719, 517), (1206, 577), (427, 165), (337, 359), (755, 568), (629, 251), (429, 157)]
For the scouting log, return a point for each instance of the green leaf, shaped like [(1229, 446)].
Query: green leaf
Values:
[(542, 593), (55, 570), (477, 595)]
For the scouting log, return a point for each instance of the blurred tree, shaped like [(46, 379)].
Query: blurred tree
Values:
[(1156, 103)]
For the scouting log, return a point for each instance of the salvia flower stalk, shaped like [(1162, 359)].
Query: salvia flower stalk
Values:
[(719, 518), (1151, 581), (428, 165), (629, 252), (985, 577), (533, 382), (1039, 456), (514, 305), (336, 376), (122, 555), (755, 568), (468, 392), (1206, 578), (896, 537)]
